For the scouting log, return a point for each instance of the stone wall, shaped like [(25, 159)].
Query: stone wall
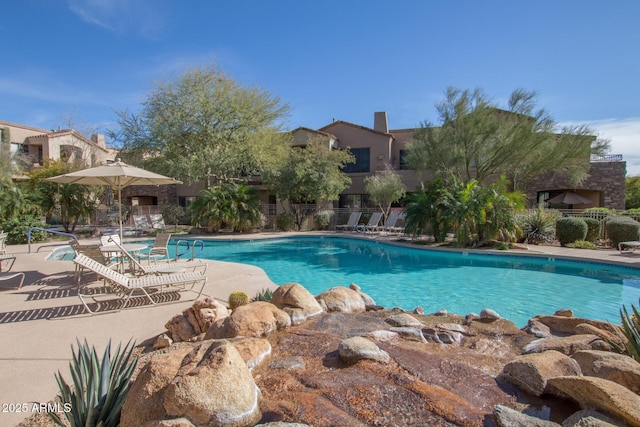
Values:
[(606, 177), (166, 194)]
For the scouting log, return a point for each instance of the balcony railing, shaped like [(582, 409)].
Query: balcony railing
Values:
[(607, 158)]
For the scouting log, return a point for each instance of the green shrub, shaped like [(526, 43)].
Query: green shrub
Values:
[(173, 214), (581, 244), (263, 295), (570, 229), (538, 226), (622, 229), (99, 387), (593, 229), (502, 246), (285, 222), (17, 229), (322, 219)]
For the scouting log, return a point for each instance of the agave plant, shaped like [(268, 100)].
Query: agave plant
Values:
[(631, 326), (263, 295), (99, 386)]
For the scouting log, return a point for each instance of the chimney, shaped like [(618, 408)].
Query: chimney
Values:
[(99, 140), (380, 123)]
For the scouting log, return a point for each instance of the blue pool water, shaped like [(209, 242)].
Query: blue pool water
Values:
[(516, 287)]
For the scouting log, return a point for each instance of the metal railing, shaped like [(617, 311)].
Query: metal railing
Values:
[(191, 245), (48, 231), (607, 158)]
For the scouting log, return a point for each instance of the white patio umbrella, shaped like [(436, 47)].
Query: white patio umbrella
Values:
[(118, 175)]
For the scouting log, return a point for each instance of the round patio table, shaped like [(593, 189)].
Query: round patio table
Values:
[(115, 251)]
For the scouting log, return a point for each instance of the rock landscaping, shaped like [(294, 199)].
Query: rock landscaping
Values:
[(339, 360)]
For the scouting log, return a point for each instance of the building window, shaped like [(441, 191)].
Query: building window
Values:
[(362, 163), (185, 201), (403, 160), (353, 201)]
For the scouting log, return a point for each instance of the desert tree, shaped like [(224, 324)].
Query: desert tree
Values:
[(203, 126), (385, 188), (476, 140)]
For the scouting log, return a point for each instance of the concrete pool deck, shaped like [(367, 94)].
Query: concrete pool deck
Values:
[(40, 321)]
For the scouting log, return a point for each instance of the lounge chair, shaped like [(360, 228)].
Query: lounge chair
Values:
[(391, 221), (3, 243), (141, 223), (391, 225), (633, 245), (157, 222), (352, 223), (373, 224), (126, 286), (108, 240), (91, 251), (5, 271)]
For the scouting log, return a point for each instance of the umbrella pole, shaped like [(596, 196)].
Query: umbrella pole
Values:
[(120, 211)]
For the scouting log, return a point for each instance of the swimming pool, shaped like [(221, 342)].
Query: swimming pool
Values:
[(517, 287)]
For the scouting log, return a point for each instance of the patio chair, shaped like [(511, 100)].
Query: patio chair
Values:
[(373, 224), (92, 251), (126, 286), (157, 222), (5, 271), (194, 265), (141, 223), (159, 249), (632, 245), (110, 239), (391, 221), (391, 224), (352, 223), (3, 243)]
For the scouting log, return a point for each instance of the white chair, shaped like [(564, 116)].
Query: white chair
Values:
[(5, 271), (157, 222), (352, 223), (125, 286), (374, 222), (3, 243)]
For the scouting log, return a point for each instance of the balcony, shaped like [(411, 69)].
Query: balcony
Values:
[(607, 158)]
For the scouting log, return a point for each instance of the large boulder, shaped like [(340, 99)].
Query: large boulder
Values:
[(618, 368), (342, 299), (358, 348), (255, 319), (507, 417), (404, 320), (253, 351), (567, 325), (145, 401), (213, 387), (296, 301), (591, 418), (205, 312), (180, 328), (567, 345), (531, 372), (603, 395)]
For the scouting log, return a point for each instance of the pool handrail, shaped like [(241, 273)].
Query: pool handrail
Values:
[(189, 246), (48, 231)]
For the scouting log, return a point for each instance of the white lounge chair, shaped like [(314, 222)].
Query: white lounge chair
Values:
[(393, 227), (633, 245), (352, 223), (141, 223), (373, 224), (157, 222), (391, 221), (5, 270), (125, 286)]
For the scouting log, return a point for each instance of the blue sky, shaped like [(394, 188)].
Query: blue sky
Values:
[(80, 60)]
